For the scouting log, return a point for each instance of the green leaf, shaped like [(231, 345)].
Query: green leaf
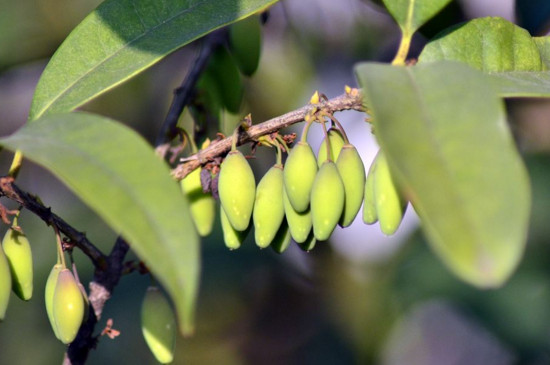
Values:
[(451, 151), (412, 14), (521, 84), (113, 170), (543, 44), (122, 38), (487, 44)]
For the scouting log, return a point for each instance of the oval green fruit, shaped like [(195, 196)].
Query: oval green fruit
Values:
[(299, 174), (237, 190), (309, 243), (232, 238), (369, 202), (49, 293), (158, 325), (352, 171), (5, 284), (201, 204), (245, 40), (268, 207), (336, 143), (282, 239), (18, 252), (327, 200), (390, 207), (299, 223), (68, 306)]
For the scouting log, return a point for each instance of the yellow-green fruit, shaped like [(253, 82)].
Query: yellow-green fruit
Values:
[(68, 306), (309, 243), (48, 295), (202, 205), (18, 252), (336, 143), (369, 202), (237, 189), (158, 324), (5, 284), (245, 40), (327, 200), (282, 240), (352, 171), (232, 238), (268, 207), (298, 223), (299, 174), (390, 207)]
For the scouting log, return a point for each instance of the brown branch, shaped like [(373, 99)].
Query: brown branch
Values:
[(12, 191), (101, 288), (349, 101), (184, 93)]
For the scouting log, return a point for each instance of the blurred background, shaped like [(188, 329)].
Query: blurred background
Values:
[(361, 298)]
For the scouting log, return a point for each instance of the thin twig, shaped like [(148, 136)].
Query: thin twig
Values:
[(348, 101), (12, 191), (184, 93)]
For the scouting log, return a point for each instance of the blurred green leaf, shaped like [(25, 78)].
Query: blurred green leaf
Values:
[(487, 44), (444, 132), (412, 14), (543, 44), (116, 172), (521, 84), (122, 38)]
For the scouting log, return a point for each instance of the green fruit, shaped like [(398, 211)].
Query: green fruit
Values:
[(48, 295), (390, 207), (228, 77), (237, 190), (336, 143), (327, 200), (5, 284), (245, 40), (201, 204), (282, 240), (68, 306), (298, 223), (158, 324), (352, 171), (299, 174), (18, 252), (233, 239), (369, 202), (309, 243), (268, 207)]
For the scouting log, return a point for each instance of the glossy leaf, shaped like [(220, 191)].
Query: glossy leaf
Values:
[(120, 39), (412, 14), (487, 44), (451, 151), (113, 170)]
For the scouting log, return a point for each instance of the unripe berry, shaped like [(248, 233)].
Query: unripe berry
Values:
[(18, 252), (5, 284), (237, 189), (327, 200), (68, 306), (158, 324), (201, 204), (299, 174)]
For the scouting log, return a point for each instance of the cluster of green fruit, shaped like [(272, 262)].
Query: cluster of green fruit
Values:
[(16, 270), (304, 200), (65, 298)]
